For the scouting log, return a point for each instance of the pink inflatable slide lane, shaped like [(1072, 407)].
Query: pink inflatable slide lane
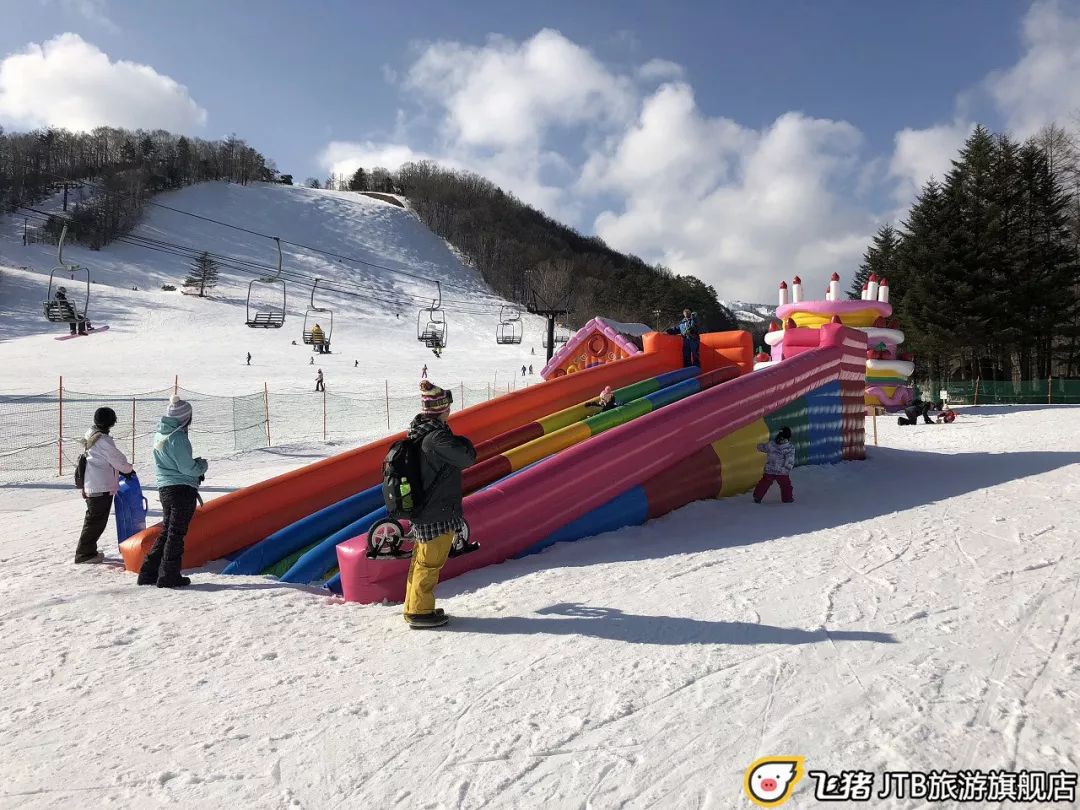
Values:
[(510, 516)]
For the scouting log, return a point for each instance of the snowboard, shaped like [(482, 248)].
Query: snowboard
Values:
[(130, 507), (93, 331)]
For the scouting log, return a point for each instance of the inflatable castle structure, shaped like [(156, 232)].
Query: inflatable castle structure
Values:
[(597, 343), (888, 370)]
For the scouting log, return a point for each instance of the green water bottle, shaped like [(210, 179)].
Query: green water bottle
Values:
[(406, 494)]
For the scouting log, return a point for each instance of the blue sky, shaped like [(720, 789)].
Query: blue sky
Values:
[(742, 142)]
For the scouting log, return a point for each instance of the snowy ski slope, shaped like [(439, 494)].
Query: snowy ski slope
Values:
[(154, 334)]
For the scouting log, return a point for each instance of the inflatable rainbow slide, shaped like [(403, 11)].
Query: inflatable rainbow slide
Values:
[(548, 468)]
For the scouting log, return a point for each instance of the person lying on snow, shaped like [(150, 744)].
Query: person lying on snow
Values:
[(443, 456), (605, 402), (778, 466)]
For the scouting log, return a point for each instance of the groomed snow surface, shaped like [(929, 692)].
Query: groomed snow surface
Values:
[(915, 611)]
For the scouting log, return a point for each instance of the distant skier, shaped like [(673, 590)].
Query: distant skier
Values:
[(249, 358), (178, 478), (532, 350), (311, 361), (443, 455), (319, 381), (104, 462), (317, 338), (356, 364), (76, 322), (778, 465), (523, 371), (423, 372), (688, 328), (530, 371)]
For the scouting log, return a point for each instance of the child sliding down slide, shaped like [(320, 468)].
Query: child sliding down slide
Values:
[(778, 464)]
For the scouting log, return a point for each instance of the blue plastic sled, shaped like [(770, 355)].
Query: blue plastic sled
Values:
[(131, 508)]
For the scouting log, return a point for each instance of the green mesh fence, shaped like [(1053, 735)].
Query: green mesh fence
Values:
[(1054, 391)]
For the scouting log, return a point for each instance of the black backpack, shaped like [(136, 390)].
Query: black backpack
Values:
[(80, 471), (402, 486)]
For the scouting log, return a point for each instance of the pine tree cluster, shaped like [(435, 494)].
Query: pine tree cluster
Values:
[(985, 271)]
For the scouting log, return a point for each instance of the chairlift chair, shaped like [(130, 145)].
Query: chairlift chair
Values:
[(65, 310), (431, 323), (509, 331), (562, 334), (324, 316), (267, 316)]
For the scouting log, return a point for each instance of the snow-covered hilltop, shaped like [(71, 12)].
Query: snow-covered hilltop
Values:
[(381, 258), (749, 313)]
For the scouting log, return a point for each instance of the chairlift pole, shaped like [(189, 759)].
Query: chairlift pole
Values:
[(551, 315)]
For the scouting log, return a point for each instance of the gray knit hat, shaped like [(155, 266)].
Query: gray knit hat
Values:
[(178, 409)]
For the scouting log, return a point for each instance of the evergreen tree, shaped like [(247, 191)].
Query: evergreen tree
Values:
[(880, 259), (359, 181), (203, 274)]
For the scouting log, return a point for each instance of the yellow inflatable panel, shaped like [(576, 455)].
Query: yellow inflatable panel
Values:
[(545, 446), (741, 464), (812, 320)]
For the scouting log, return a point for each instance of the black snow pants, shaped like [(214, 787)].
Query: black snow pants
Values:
[(163, 561), (97, 517)]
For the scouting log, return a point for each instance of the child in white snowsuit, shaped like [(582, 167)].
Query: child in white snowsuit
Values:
[(104, 463), (778, 465)]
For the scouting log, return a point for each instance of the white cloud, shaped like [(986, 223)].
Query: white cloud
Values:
[(660, 70), (67, 82), (506, 94), (94, 11), (1044, 86), (738, 208), (920, 154)]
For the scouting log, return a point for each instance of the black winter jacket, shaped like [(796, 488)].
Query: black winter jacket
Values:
[(443, 457)]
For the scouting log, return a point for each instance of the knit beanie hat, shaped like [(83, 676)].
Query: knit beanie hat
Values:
[(104, 419), (785, 433), (433, 399), (178, 409)]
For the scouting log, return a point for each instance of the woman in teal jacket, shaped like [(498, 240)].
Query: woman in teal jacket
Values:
[(178, 478)]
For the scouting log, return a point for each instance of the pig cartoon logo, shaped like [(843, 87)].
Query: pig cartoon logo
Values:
[(770, 781)]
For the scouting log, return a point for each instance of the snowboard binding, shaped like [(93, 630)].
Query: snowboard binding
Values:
[(386, 540)]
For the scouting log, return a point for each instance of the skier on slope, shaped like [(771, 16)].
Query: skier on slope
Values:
[(778, 465), (319, 386), (443, 456), (104, 462)]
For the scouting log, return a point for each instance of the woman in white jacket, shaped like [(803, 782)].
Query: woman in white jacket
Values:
[(104, 463)]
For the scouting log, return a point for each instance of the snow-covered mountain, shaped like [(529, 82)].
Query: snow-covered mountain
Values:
[(750, 313)]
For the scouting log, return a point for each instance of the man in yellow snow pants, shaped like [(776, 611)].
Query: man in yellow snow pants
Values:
[(427, 561), (439, 517)]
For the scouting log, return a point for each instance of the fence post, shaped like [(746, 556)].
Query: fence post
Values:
[(324, 414), (266, 405), (133, 430), (1050, 390), (976, 398), (386, 389), (176, 385), (462, 396), (60, 434), (489, 390), (874, 411)]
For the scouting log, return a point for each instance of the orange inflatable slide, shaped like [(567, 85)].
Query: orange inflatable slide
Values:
[(236, 520)]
